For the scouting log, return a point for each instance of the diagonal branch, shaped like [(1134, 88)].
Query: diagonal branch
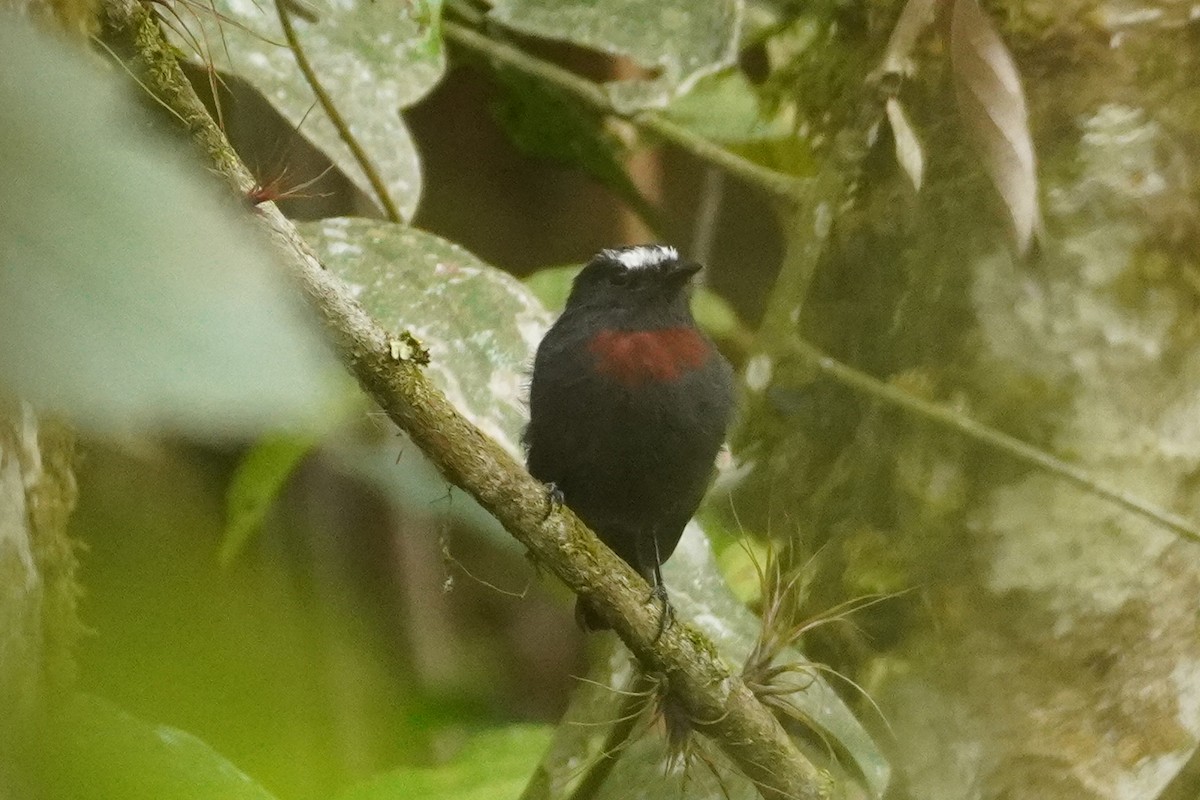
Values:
[(978, 432), (699, 680)]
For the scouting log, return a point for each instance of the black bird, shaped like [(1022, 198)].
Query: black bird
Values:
[(629, 404)]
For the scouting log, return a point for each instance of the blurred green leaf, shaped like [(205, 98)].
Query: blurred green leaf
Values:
[(682, 39), (545, 122), (96, 751), (552, 285), (285, 662), (715, 315), (494, 765), (374, 57), (479, 324), (258, 479), (133, 294), (726, 108)]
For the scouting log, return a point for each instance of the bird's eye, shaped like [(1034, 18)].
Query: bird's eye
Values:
[(619, 278)]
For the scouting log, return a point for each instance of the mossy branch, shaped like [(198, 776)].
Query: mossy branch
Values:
[(698, 679)]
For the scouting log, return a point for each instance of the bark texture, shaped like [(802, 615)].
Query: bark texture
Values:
[(1052, 648), (38, 590)]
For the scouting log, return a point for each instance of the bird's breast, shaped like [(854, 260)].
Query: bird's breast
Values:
[(634, 358)]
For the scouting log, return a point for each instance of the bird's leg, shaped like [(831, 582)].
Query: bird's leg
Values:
[(658, 592)]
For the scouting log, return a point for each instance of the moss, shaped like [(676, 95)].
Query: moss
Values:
[(39, 589), (50, 501)]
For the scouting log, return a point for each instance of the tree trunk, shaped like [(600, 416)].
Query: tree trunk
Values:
[(1052, 649), (38, 590)]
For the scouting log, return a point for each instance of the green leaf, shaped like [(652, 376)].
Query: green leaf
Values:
[(259, 477), (714, 314), (96, 751), (552, 285), (725, 107), (235, 655), (374, 57), (479, 324), (682, 39), (135, 293), (494, 765), (545, 122)]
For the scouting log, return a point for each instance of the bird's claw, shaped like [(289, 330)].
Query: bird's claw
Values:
[(554, 499), (667, 617)]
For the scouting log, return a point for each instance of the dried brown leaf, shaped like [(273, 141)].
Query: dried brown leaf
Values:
[(992, 105), (909, 154), (914, 18)]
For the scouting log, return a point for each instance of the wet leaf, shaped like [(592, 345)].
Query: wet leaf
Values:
[(682, 39), (480, 327), (992, 105), (374, 57), (909, 154), (479, 324)]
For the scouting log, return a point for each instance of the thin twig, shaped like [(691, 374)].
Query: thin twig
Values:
[(100, 42), (808, 224), (618, 737), (1025, 453), (708, 212), (784, 187), (339, 122)]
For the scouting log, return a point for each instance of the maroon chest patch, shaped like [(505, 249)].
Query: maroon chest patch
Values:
[(636, 357)]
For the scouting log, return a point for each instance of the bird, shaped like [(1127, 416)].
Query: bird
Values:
[(629, 404)]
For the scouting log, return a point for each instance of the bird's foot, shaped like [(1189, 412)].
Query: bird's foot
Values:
[(554, 499), (667, 617)]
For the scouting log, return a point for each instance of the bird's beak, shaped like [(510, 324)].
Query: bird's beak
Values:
[(682, 271)]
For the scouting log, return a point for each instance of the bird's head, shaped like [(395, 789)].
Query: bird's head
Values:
[(635, 282)]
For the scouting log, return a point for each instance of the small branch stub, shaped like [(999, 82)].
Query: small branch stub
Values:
[(406, 347)]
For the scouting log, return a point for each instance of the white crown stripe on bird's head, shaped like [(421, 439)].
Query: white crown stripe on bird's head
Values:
[(642, 256)]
